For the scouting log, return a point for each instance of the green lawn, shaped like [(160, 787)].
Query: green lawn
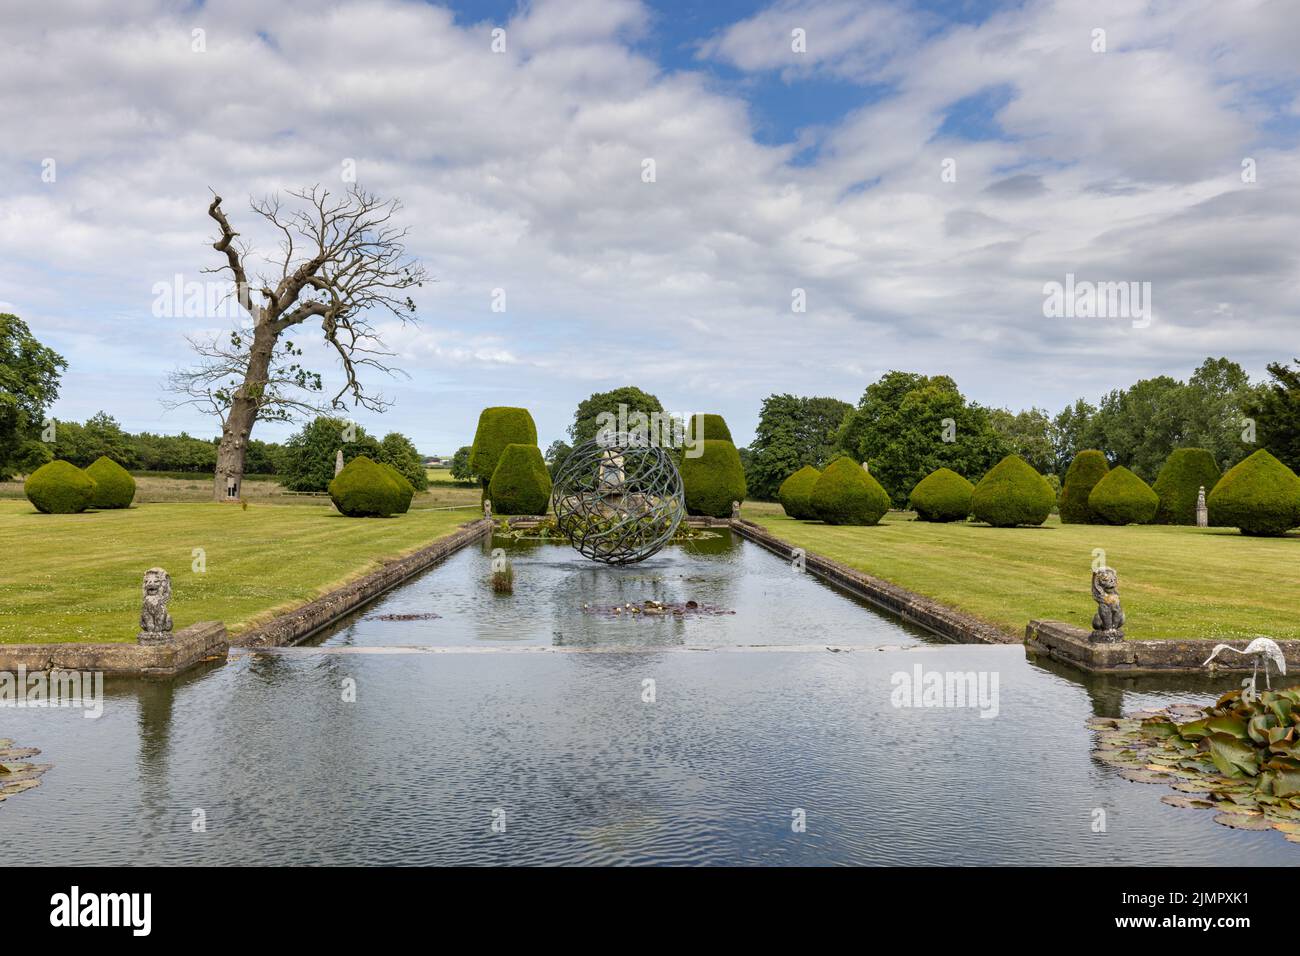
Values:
[(1210, 583), (77, 577)]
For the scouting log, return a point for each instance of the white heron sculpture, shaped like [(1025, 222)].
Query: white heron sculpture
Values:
[(1263, 649)]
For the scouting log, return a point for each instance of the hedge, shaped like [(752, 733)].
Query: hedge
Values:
[(1123, 498), (709, 427), (846, 494), (942, 495), (1260, 495), (521, 485), (364, 489), (1011, 494), (713, 480), (114, 486), (795, 493), (498, 427), (1088, 468), (59, 488), (1180, 481), (404, 485)]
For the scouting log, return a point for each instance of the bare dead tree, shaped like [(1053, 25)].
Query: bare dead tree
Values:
[(342, 261)]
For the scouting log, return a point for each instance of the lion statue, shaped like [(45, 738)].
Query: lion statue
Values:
[(1108, 622), (155, 622)]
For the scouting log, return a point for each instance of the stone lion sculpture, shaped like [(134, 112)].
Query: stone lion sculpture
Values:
[(155, 622), (1108, 622)]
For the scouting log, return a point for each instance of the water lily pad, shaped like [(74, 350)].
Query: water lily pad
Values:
[(14, 753), (1144, 776), (18, 786), (1239, 821), (1189, 803)]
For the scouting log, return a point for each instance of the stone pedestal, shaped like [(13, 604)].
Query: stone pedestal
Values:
[(1202, 512)]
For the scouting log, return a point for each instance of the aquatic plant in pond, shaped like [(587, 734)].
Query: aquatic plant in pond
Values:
[(16, 775)]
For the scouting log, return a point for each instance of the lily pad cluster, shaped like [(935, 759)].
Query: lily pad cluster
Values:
[(15, 774), (1240, 757), (654, 609), (546, 530)]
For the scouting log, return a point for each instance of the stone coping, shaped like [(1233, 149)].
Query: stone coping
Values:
[(933, 616), (186, 648), (1069, 643), (296, 625)]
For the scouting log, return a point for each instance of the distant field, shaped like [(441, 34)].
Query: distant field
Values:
[(1175, 582)]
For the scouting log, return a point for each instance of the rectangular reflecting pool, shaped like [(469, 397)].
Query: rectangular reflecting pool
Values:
[(707, 738)]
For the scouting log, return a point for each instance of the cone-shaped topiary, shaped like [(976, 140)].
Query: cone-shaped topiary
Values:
[(404, 485), (1123, 498), (796, 491), (1012, 493), (59, 488), (847, 494), (709, 428), (521, 485), (1088, 468), (713, 479), (364, 489), (498, 427), (942, 495), (1180, 481), (1260, 495), (114, 486)]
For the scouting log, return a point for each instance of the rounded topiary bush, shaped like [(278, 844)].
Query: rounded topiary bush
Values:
[(1088, 468), (709, 428), (365, 489), (1123, 498), (713, 479), (114, 486), (498, 427), (1180, 481), (1260, 495), (404, 485), (59, 488), (521, 485), (795, 493), (847, 494), (1012, 493), (942, 495)]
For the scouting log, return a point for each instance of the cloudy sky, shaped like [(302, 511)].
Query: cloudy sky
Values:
[(920, 170)]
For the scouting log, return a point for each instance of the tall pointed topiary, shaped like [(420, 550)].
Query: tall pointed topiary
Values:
[(1123, 498), (1185, 472), (1011, 494), (1259, 495), (942, 495), (498, 427), (1088, 468), (846, 494), (59, 488), (713, 479), (114, 486), (364, 489), (521, 485), (796, 491)]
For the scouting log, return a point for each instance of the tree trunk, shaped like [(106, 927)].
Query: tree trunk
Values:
[(228, 483)]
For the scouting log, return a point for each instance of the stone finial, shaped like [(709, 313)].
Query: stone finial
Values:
[(338, 462), (155, 622), (1108, 622), (866, 467), (735, 510), (1202, 511), (487, 509)]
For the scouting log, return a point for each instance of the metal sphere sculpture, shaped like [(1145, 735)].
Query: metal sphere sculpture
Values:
[(618, 498)]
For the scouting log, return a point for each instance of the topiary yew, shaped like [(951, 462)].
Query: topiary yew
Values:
[(1259, 495), (709, 428), (404, 485), (114, 486), (796, 491), (1185, 472), (1088, 468), (365, 489), (1011, 494), (59, 488), (521, 485), (942, 495), (498, 427), (1123, 498), (846, 494), (713, 479)]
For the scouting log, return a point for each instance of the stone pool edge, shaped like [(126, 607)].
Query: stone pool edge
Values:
[(1069, 644), (937, 618)]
